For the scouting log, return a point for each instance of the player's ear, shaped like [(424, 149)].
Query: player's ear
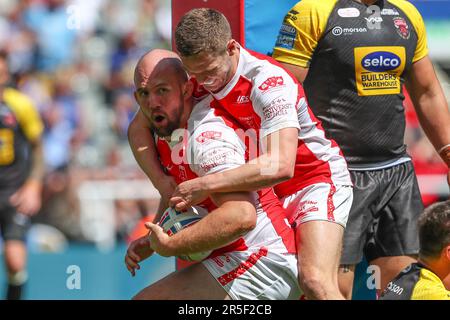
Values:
[(447, 252), (231, 46)]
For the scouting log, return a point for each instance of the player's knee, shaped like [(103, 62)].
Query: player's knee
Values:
[(15, 265), (314, 281)]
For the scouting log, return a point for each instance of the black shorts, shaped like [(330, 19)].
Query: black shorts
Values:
[(13, 225), (383, 218)]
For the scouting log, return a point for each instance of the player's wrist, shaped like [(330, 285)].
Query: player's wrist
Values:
[(35, 183), (205, 184)]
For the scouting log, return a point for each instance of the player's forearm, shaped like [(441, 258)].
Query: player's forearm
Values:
[(251, 176), (434, 116), (219, 228), (37, 166), (430, 103)]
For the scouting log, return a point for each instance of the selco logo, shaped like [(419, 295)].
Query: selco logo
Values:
[(381, 61)]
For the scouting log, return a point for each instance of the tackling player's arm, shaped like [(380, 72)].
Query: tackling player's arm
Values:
[(277, 109), (142, 145), (274, 166)]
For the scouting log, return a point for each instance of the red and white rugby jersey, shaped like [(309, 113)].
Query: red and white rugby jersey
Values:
[(264, 97), (210, 145)]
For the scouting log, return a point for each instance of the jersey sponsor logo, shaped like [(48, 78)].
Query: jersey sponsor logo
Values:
[(276, 108), (381, 61), (288, 30), (286, 37), (402, 27), (394, 288), (378, 70), (216, 159), (271, 82), (389, 12), (348, 12), (291, 15), (242, 99), (337, 31), (286, 42), (207, 136), (373, 20), (7, 151)]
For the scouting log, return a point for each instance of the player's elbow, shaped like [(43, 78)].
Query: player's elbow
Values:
[(285, 170), (247, 217)]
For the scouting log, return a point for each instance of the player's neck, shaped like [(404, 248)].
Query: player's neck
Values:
[(439, 268), (187, 110)]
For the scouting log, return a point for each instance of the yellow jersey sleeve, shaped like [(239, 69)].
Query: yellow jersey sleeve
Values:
[(301, 30), (26, 113), (419, 26), (429, 287)]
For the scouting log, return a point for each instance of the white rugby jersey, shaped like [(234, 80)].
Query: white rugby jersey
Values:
[(210, 145), (262, 96)]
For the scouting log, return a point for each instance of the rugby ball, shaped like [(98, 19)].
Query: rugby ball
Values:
[(173, 221)]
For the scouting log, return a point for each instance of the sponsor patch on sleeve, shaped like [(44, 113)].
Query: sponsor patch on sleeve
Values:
[(272, 82), (286, 37)]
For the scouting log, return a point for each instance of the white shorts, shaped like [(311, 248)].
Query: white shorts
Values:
[(320, 201), (256, 275)]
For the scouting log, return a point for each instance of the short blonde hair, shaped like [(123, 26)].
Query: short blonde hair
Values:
[(202, 30)]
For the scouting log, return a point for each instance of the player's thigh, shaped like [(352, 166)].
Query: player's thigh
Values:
[(395, 232), (192, 283), (320, 245), (320, 212)]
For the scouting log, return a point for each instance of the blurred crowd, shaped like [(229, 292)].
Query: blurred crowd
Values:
[(75, 60)]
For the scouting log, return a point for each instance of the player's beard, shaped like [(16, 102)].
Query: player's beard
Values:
[(173, 123)]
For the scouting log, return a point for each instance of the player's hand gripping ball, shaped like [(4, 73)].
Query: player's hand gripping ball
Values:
[(173, 221)]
